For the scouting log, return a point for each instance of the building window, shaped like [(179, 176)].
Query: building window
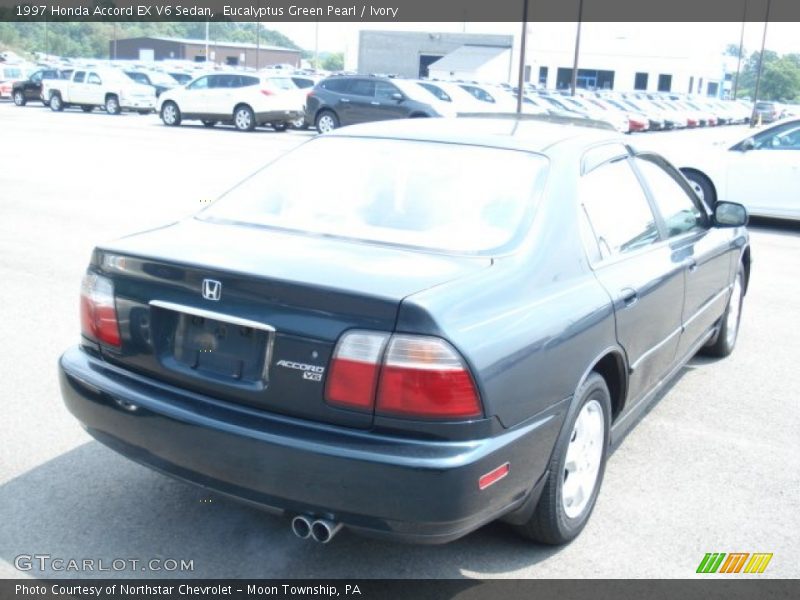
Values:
[(640, 81), (712, 89), (664, 83), (543, 76), (527, 75), (691, 84)]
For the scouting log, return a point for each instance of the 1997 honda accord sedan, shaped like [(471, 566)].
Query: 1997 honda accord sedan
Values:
[(410, 329)]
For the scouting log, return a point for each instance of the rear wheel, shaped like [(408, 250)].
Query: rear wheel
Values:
[(576, 468), (112, 105), (56, 104), (300, 123), (19, 98), (326, 121), (244, 119), (171, 114), (725, 340)]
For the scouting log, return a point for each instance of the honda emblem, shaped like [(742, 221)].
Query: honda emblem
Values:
[(212, 289)]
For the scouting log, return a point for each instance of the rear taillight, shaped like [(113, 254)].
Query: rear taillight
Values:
[(267, 92), (405, 376), (425, 377), (354, 370), (98, 312)]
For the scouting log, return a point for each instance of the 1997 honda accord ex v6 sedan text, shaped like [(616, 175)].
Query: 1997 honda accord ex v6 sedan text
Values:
[(448, 323)]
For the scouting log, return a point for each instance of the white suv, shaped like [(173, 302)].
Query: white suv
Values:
[(243, 100)]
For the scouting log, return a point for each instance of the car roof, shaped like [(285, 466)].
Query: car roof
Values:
[(531, 133)]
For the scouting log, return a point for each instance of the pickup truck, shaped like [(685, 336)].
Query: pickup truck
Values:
[(89, 88)]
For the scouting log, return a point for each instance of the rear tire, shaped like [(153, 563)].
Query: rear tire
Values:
[(576, 468), (19, 98), (56, 104), (728, 333), (112, 105), (244, 119), (170, 114), (326, 121)]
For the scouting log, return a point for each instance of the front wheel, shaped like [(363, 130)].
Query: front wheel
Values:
[(244, 119), (112, 105), (56, 104), (702, 186), (576, 468), (171, 114), (725, 340), (19, 98)]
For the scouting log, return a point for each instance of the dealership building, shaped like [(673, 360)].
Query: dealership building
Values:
[(220, 53), (621, 63)]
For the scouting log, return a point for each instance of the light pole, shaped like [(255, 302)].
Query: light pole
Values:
[(760, 66), (741, 49), (577, 47), (523, 42)]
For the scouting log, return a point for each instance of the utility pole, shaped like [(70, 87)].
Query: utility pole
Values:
[(760, 66), (258, 42), (577, 47), (741, 49), (523, 42), (206, 41)]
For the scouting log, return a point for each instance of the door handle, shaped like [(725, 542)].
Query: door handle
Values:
[(375, 103), (691, 265), (629, 296), (345, 100)]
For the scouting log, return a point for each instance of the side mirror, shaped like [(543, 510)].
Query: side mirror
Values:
[(748, 144), (398, 97), (730, 214)]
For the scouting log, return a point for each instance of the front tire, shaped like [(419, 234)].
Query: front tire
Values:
[(725, 341), (244, 119), (112, 105), (56, 104), (576, 468), (170, 114), (702, 186), (19, 98)]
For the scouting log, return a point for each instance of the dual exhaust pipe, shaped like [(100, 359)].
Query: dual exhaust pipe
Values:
[(320, 530)]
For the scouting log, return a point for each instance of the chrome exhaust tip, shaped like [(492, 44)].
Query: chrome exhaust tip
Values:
[(323, 530), (301, 527)]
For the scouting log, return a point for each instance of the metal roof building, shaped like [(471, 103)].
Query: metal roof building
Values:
[(219, 52)]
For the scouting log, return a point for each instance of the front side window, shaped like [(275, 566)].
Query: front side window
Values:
[(385, 91), (617, 209), (436, 91), (362, 87), (94, 79), (79, 77), (784, 137), (410, 193), (200, 84), (679, 211)]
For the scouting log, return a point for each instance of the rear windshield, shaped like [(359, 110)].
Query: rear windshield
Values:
[(438, 196)]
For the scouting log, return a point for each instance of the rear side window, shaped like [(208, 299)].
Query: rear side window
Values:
[(335, 85), (247, 81), (362, 87), (280, 83), (617, 209), (79, 77), (677, 208), (200, 84)]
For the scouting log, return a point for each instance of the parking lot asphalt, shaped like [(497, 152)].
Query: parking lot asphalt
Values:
[(713, 467)]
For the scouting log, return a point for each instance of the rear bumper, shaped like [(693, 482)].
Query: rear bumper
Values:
[(407, 489), (278, 116)]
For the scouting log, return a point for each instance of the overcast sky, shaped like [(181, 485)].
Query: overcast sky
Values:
[(699, 37)]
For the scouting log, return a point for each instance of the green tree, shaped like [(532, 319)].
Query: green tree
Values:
[(333, 62), (780, 80)]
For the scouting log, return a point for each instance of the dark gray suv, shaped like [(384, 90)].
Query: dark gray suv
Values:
[(347, 100)]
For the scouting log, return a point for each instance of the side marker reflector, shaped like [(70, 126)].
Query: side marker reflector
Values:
[(494, 476)]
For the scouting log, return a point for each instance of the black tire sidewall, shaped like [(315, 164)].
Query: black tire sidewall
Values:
[(177, 120), (21, 96), (252, 125), (117, 110), (327, 113)]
